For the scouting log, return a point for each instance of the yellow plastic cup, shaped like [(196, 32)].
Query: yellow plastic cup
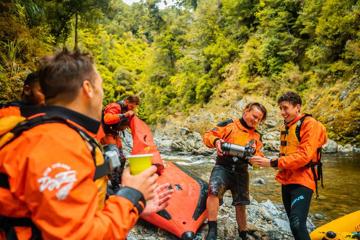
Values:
[(255, 168), (139, 162)]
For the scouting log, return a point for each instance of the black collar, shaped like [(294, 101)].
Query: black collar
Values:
[(123, 106), (242, 121), (86, 122)]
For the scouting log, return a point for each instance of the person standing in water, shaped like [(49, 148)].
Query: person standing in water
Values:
[(299, 165), (231, 172)]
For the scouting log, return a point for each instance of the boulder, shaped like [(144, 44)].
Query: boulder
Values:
[(345, 149), (330, 147)]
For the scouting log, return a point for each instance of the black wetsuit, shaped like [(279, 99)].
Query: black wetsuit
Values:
[(296, 199)]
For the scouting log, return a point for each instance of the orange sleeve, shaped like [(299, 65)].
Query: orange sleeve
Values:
[(215, 133), (111, 113), (10, 111), (259, 146), (54, 179), (114, 221), (307, 147)]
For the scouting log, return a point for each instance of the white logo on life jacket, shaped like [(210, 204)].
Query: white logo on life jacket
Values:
[(58, 177)]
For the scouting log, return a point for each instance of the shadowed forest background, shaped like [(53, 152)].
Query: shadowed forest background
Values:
[(198, 53)]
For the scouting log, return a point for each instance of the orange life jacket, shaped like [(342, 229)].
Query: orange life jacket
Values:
[(13, 220), (291, 138), (10, 109), (232, 131)]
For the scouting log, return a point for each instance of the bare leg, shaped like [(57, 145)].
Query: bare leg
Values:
[(212, 205), (241, 217)]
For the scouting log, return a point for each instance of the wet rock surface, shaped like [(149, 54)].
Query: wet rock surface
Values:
[(266, 220)]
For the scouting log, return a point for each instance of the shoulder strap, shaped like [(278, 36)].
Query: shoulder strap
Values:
[(30, 123), (10, 104), (299, 125), (316, 167), (25, 125), (224, 123)]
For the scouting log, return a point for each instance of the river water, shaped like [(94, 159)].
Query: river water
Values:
[(340, 196)]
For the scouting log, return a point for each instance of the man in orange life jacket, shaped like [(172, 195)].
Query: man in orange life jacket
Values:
[(297, 161), (231, 172), (116, 118), (31, 96), (47, 174)]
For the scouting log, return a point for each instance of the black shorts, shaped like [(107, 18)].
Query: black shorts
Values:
[(223, 178)]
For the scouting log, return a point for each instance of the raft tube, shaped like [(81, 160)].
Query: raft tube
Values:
[(187, 207), (186, 211), (346, 227)]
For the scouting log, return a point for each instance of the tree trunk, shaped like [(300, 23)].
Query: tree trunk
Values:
[(76, 48)]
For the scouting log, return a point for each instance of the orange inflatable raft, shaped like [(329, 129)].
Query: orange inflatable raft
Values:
[(187, 207)]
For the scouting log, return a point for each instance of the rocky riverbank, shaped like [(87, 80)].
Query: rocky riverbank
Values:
[(183, 138), (266, 219)]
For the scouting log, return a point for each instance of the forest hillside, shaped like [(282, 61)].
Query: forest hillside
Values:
[(198, 54)]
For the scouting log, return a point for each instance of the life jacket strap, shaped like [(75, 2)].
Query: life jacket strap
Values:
[(4, 181), (7, 224), (316, 169)]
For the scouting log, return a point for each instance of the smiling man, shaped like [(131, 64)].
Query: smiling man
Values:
[(299, 163), (231, 172), (53, 177)]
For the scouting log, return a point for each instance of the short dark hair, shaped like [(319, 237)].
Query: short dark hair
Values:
[(31, 81), (290, 97), (133, 99), (62, 75), (261, 107), (31, 78)]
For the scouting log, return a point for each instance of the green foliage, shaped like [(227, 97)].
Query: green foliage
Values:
[(199, 53), (120, 61), (341, 104), (20, 46)]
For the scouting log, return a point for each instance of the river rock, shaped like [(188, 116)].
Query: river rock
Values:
[(319, 216), (189, 141), (259, 181), (240, 105), (345, 149), (356, 149), (271, 145), (282, 224), (273, 135), (330, 147), (270, 208), (184, 131), (270, 123)]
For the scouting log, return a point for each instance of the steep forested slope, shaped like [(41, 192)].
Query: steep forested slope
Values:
[(197, 53)]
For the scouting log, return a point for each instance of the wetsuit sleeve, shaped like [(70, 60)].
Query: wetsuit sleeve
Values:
[(61, 195), (111, 113), (214, 134), (306, 149)]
